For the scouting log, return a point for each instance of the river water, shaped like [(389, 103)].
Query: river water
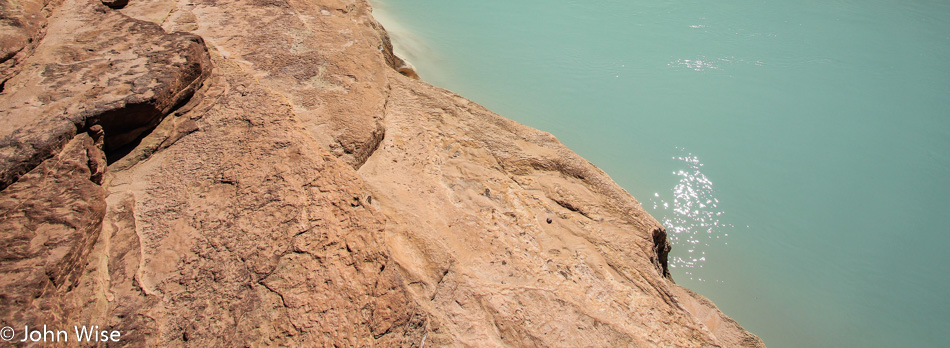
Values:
[(797, 151)]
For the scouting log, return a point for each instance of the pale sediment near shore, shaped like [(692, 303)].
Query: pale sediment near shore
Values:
[(273, 179)]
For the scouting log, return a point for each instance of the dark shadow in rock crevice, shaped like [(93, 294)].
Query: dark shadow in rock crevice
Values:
[(661, 251), (125, 127), (116, 154)]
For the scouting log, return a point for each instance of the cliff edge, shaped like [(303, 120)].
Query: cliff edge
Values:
[(267, 172)]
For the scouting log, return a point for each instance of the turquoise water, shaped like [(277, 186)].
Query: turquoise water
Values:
[(798, 151)]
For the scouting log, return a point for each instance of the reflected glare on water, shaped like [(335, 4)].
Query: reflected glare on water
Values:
[(692, 216)]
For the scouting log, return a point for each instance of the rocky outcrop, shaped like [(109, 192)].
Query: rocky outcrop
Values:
[(276, 176), (96, 67), (49, 222), (21, 25)]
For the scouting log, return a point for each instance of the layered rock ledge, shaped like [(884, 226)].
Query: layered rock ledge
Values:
[(267, 172)]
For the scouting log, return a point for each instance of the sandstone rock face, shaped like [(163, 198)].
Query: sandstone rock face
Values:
[(96, 67), (256, 172), (21, 25), (49, 221)]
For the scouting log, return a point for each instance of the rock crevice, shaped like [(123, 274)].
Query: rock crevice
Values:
[(95, 67)]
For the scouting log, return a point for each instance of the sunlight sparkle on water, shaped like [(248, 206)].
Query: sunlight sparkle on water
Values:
[(693, 220)]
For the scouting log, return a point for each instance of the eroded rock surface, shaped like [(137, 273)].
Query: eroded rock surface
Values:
[(277, 177), (95, 67), (49, 221), (21, 25), (251, 233)]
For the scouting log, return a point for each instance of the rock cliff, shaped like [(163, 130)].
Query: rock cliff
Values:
[(267, 172)]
